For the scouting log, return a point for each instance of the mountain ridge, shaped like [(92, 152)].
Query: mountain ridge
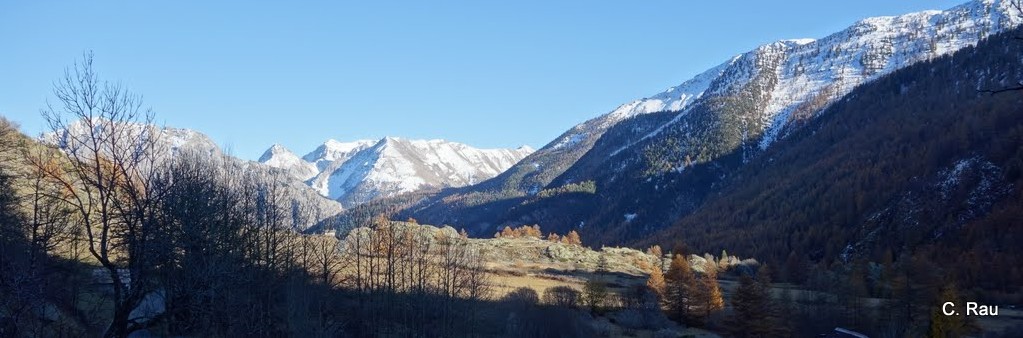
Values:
[(357, 172), (723, 117)]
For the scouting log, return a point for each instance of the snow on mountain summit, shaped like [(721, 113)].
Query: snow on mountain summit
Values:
[(773, 85), (333, 150), (791, 79), (280, 157), (359, 171)]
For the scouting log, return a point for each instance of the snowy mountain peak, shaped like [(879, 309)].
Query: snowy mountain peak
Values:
[(358, 171), (280, 157), (169, 140), (396, 165), (775, 84), (793, 78), (333, 151), (275, 150)]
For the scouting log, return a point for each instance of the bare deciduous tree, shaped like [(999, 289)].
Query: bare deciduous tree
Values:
[(112, 156)]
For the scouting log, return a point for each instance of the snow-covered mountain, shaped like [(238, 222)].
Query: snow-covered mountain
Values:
[(749, 101), (753, 100), (739, 107), (334, 151), (356, 172), (280, 157), (173, 141), (785, 76), (754, 97)]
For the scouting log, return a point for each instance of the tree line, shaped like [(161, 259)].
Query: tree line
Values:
[(108, 230)]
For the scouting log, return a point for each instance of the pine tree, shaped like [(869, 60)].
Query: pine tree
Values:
[(603, 266)]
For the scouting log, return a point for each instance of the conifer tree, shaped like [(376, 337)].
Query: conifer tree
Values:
[(753, 312), (507, 232), (603, 266), (572, 238), (710, 293), (655, 251), (656, 282), (681, 284), (944, 326)]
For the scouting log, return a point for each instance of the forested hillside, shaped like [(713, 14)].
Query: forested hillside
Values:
[(926, 163), (657, 158)]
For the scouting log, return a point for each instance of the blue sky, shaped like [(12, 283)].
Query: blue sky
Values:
[(486, 73)]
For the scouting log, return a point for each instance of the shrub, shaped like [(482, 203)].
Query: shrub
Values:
[(561, 296)]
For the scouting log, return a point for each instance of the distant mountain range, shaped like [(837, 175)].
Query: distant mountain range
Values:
[(357, 172), (172, 141)]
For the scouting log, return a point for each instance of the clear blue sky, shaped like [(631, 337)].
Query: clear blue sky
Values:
[(486, 73)]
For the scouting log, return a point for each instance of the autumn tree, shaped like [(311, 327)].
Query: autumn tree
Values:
[(655, 250), (531, 231), (656, 282), (945, 326), (680, 289), (709, 293), (572, 238)]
